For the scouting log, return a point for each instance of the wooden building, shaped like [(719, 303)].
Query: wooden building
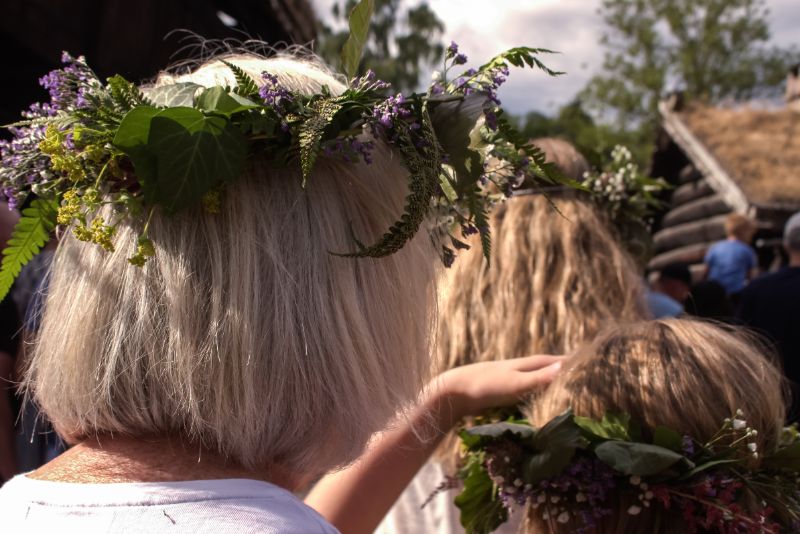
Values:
[(721, 160)]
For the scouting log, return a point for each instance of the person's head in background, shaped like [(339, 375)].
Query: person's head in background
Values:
[(675, 281), (791, 239), (739, 227), (709, 300), (554, 281), (243, 335), (683, 374)]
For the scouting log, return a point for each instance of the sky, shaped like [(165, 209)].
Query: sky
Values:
[(572, 27)]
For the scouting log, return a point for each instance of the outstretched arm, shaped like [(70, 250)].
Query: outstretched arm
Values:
[(356, 499)]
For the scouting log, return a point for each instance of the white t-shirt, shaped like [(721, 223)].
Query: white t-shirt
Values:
[(439, 516), (237, 506)]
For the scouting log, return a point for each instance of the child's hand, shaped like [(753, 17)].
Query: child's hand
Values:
[(472, 389)]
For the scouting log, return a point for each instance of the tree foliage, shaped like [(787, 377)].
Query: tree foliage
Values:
[(401, 42), (708, 49)]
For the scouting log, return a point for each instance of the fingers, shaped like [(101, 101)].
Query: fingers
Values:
[(528, 381), (535, 362)]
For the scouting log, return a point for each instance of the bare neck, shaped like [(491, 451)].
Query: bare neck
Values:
[(125, 459), (794, 259)]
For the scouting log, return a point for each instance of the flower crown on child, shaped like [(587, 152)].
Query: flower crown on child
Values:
[(567, 469), (179, 145)]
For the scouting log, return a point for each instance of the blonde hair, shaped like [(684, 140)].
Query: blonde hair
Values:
[(682, 374), (740, 227), (557, 277), (244, 333)]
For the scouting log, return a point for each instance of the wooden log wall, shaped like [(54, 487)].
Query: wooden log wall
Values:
[(695, 221)]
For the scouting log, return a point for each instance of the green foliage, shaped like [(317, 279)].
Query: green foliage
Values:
[(710, 49), (612, 426), (219, 100), (125, 94), (353, 48), (180, 154), (29, 236), (245, 85), (174, 95), (637, 458), (401, 42), (312, 130), (481, 510)]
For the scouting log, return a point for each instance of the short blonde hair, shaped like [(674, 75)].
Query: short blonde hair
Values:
[(740, 227), (683, 374), (244, 333)]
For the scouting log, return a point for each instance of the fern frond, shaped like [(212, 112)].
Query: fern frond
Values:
[(423, 166), (311, 132), (245, 85), (29, 236), (481, 219), (124, 94)]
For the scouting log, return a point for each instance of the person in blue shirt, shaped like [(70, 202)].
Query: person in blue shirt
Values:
[(732, 262)]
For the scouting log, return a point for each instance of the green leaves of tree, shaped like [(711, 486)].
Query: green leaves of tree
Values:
[(179, 154), (359, 29), (636, 458), (29, 236)]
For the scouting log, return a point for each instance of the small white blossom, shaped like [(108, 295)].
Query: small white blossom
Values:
[(436, 76), (580, 497), (739, 424), (635, 480), (634, 510), (563, 517)]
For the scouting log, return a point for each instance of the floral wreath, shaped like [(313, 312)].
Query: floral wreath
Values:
[(179, 145), (566, 470)]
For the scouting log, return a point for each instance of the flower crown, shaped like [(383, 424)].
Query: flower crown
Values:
[(179, 145), (566, 471)]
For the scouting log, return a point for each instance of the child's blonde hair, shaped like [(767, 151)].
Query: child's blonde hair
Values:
[(682, 374)]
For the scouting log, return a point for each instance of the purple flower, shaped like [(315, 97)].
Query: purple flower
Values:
[(471, 72), (460, 59), (452, 50), (491, 119), (273, 93)]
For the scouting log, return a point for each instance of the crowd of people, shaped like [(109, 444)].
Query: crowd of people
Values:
[(245, 366)]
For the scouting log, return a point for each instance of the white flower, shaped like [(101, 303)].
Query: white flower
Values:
[(580, 497), (436, 76), (635, 480), (739, 424), (518, 482), (634, 510), (752, 447), (563, 517), (554, 499), (541, 498)]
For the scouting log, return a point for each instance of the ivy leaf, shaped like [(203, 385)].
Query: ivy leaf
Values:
[(218, 100), (174, 95), (245, 85), (131, 138), (29, 236), (481, 509), (179, 154), (194, 153), (637, 458), (359, 29), (478, 436)]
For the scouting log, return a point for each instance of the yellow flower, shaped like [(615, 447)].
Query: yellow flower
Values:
[(144, 250), (103, 233), (211, 202), (70, 209)]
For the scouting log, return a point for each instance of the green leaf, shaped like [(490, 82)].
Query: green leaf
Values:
[(487, 433), (194, 153), (29, 236), (481, 510), (245, 85), (359, 30), (612, 426), (180, 154), (125, 94), (668, 438), (556, 443), (218, 100), (174, 95), (312, 131), (637, 458)]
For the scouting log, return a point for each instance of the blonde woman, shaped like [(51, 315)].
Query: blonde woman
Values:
[(240, 361), (553, 283), (685, 375)]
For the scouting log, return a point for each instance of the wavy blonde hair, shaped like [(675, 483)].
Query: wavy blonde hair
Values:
[(683, 374), (244, 333)]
